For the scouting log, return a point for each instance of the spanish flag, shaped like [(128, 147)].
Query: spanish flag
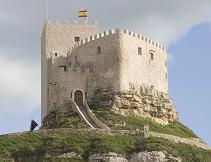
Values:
[(83, 13)]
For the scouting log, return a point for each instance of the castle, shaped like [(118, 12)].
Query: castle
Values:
[(77, 61)]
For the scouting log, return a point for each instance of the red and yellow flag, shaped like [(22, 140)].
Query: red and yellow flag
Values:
[(83, 13)]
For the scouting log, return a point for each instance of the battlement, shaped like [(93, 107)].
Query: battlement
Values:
[(143, 38), (96, 37), (111, 32), (67, 22)]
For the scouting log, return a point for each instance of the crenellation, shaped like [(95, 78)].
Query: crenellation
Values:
[(159, 46), (138, 36), (149, 41), (106, 33), (118, 30), (101, 35), (97, 36), (126, 32), (111, 31), (145, 39), (87, 40), (98, 60), (91, 38)]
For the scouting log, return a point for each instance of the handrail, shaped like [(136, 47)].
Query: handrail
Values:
[(94, 118), (83, 116)]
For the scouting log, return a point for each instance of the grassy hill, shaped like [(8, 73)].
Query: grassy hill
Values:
[(55, 144), (49, 145)]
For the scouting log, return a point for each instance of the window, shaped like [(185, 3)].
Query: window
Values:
[(70, 64), (77, 39), (64, 68), (152, 55), (55, 54), (151, 52), (139, 50), (98, 50)]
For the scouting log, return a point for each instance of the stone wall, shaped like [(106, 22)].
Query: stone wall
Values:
[(96, 69), (106, 60), (57, 40), (138, 67), (193, 141), (141, 133)]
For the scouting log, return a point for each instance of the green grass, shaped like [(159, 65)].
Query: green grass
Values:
[(135, 122), (72, 120), (34, 145), (186, 152)]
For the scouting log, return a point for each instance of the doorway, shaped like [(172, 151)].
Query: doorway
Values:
[(78, 98)]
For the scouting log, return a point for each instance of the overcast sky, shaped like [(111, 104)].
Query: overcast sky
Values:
[(183, 26)]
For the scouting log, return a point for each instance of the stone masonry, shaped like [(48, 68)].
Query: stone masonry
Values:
[(76, 58)]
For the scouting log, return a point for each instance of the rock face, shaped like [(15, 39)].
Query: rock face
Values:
[(107, 157), (153, 156), (70, 155), (145, 101)]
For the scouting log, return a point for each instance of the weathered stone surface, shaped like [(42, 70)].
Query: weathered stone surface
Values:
[(190, 141), (70, 155), (103, 59), (154, 156), (107, 157), (146, 102)]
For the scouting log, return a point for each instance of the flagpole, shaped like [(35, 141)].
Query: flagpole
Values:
[(47, 10)]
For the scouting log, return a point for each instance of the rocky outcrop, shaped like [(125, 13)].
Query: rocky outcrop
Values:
[(71, 155), (146, 102), (153, 156), (107, 157)]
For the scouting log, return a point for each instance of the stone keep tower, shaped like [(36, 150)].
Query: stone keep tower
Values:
[(80, 66), (57, 40)]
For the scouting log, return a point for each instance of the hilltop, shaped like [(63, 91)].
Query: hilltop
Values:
[(126, 141)]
